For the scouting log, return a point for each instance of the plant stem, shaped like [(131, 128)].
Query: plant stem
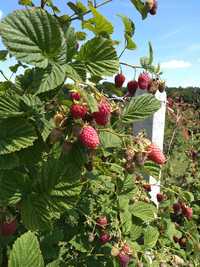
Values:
[(4, 75), (122, 51), (89, 11), (131, 66)]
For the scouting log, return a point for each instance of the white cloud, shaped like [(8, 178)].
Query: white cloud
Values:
[(1, 14), (175, 64)]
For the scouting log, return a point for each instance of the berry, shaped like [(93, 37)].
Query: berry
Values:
[(183, 242), (103, 115), (153, 10), (177, 207), (78, 111), (176, 239), (187, 212), (129, 154), (8, 228), (132, 87), (156, 155), (104, 238), (58, 118), (147, 187), (143, 80), (161, 86), (91, 237), (89, 137), (123, 259), (102, 221), (119, 80), (115, 251), (129, 167), (75, 96), (160, 197), (127, 250), (153, 86), (140, 158)]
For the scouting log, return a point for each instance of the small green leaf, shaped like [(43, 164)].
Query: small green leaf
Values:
[(144, 211), (136, 231), (151, 235), (110, 139), (26, 2), (141, 7), (152, 169)]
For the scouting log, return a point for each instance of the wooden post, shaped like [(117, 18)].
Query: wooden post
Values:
[(154, 127)]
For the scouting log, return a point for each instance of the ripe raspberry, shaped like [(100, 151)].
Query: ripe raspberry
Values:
[(78, 111), (153, 11), (89, 137), (103, 115), (8, 228), (127, 250), (143, 80), (156, 155), (104, 238), (75, 96), (132, 87), (58, 118), (102, 221), (187, 212), (147, 187), (119, 80), (123, 259), (160, 197)]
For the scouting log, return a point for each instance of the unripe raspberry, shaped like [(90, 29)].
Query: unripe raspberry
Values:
[(75, 96), (8, 228), (127, 249), (91, 237), (58, 118), (153, 86), (187, 212), (161, 86), (176, 239), (156, 155), (104, 238), (89, 137), (132, 87), (102, 116), (119, 80), (143, 80), (102, 221), (78, 111), (177, 208), (147, 187), (160, 197), (124, 259)]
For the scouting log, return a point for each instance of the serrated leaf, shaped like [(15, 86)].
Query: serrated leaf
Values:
[(78, 8), (131, 45), (136, 231), (128, 24), (99, 57), (10, 106), (151, 235), (80, 69), (152, 169), (141, 7), (33, 36), (53, 264), (71, 40), (110, 139), (98, 24), (139, 108), (26, 252), (72, 73), (15, 135), (144, 211)]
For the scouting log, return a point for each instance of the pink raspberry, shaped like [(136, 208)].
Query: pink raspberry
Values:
[(187, 212), (156, 155), (89, 137), (102, 221), (104, 238), (103, 115), (143, 80), (78, 111), (132, 87), (75, 96), (119, 80), (124, 259)]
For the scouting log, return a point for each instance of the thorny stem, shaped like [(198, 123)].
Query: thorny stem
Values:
[(89, 11)]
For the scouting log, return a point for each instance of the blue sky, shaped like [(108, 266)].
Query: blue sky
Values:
[(173, 32)]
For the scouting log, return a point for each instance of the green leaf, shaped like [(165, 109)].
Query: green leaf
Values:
[(144, 211), (16, 134), (72, 73), (131, 45), (151, 235), (9, 161), (139, 108), (71, 40), (33, 36), (53, 264), (26, 2), (99, 57), (110, 139), (10, 106), (136, 231), (3, 54), (26, 252), (141, 7), (98, 24), (129, 31), (91, 101), (152, 169), (78, 8)]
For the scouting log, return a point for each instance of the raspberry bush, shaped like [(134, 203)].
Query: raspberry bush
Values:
[(72, 186)]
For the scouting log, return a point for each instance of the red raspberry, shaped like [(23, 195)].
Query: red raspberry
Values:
[(143, 80), (8, 228), (119, 80), (124, 259), (147, 187), (104, 238), (103, 115), (160, 197), (132, 87), (187, 212), (177, 207), (75, 96), (156, 155), (78, 111), (127, 250), (102, 221), (153, 10), (89, 137)]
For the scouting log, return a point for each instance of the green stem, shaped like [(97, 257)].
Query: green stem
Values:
[(131, 66), (122, 52)]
